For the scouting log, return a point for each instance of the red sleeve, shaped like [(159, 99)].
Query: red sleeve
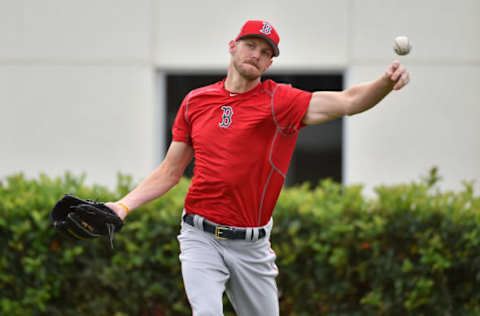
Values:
[(290, 106), (181, 130)]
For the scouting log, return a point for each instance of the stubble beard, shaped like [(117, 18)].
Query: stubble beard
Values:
[(247, 73)]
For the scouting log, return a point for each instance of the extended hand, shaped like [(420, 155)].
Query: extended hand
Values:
[(398, 74)]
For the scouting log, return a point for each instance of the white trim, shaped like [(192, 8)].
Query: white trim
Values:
[(160, 118)]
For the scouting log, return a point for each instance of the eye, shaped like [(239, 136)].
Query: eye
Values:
[(249, 45), (266, 53)]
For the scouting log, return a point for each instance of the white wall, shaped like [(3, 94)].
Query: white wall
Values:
[(435, 120), (79, 77), (413, 130), (93, 119), (195, 34), (86, 32), (76, 88)]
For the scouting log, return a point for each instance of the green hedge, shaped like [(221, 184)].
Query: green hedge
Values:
[(411, 250)]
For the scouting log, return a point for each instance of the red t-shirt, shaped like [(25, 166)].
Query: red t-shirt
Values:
[(243, 144)]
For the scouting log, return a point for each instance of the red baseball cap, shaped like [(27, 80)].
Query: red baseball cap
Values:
[(261, 29)]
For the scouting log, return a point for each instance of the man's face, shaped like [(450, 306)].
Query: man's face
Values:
[(251, 57)]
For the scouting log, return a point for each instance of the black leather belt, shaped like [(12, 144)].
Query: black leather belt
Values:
[(224, 232)]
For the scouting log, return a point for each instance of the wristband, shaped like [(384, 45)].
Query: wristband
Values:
[(124, 206)]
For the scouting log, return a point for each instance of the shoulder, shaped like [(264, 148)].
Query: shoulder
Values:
[(205, 90), (282, 91), (273, 87)]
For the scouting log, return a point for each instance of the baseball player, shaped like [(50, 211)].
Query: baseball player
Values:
[(242, 132)]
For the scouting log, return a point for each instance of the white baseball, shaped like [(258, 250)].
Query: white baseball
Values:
[(402, 45)]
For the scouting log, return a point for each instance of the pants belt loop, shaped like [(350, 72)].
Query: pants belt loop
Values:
[(248, 233), (198, 222), (255, 234)]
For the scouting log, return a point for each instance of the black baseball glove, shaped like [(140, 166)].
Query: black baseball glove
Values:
[(84, 219)]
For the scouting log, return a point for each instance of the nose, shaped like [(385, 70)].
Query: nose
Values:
[(256, 53)]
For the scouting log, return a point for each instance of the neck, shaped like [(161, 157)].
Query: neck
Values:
[(237, 83)]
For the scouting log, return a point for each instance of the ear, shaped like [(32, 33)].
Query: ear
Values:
[(231, 46)]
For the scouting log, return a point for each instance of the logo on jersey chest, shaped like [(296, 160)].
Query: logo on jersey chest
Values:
[(226, 116)]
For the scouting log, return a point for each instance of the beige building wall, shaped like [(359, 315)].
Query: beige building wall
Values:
[(76, 88), (195, 34), (435, 121), (79, 88)]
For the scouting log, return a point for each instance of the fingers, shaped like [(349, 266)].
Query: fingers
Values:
[(398, 70), (402, 80), (398, 74), (395, 64), (393, 67)]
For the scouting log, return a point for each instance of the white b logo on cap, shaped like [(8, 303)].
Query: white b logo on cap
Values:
[(266, 29)]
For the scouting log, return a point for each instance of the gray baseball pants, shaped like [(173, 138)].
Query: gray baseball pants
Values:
[(246, 270)]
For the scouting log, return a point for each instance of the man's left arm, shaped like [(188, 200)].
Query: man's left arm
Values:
[(326, 106)]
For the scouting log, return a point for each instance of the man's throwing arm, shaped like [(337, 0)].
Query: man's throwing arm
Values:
[(326, 106)]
